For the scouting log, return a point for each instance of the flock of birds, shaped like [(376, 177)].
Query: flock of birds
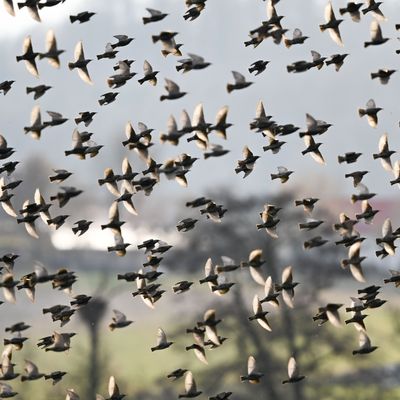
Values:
[(123, 186)]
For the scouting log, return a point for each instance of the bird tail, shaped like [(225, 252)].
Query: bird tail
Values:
[(19, 58), (75, 230), (102, 101), (374, 75), (100, 56), (146, 20), (73, 18), (298, 202), (322, 27), (155, 38), (361, 112), (162, 98), (24, 378), (243, 378), (287, 42), (179, 67), (290, 68), (375, 156), (260, 226), (274, 176), (179, 228), (164, 53), (354, 198), (342, 11), (366, 44), (229, 87), (29, 90), (20, 5), (46, 310), (341, 159), (71, 66)]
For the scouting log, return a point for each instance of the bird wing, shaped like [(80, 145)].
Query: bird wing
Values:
[(357, 272), (375, 31), (282, 170), (256, 304), (208, 267), (30, 368), (371, 104), (311, 122), (113, 389), (198, 115), (147, 68), (171, 87), (238, 77), (363, 340), (255, 255), (84, 75), (153, 12), (119, 316), (35, 116), (354, 250), (190, 384), (260, 110), (9, 7), (287, 276), (79, 55), (196, 59), (329, 15), (292, 367), (387, 229), (256, 275), (251, 365), (297, 33), (161, 337)]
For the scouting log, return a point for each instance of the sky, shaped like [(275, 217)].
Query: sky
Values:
[(218, 36)]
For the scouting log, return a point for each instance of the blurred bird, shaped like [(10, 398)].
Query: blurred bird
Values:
[(29, 56), (52, 52), (173, 91), (162, 342), (384, 153), (149, 74), (371, 112), (155, 15), (260, 314), (376, 34), (353, 9), (383, 75), (293, 372), (5, 86), (298, 38), (190, 387), (82, 17), (365, 346), (240, 82), (119, 320)]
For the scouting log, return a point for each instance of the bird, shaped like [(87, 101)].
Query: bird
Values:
[(354, 262), (287, 286), (119, 320), (190, 387), (186, 224), (173, 91), (371, 111), (297, 38), (32, 6), (52, 52), (332, 24), (293, 373), (109, 52), (247, 164), (29, 57), (122, 41), (365, 346), (81, 63), (384, 153), (353, 9), (240, 82), (149, 74), (260, 314), (155, 16), (253, 376), (313, 149), (373, 7), (5, 86), (162, 342), (82, 17), (194, 62), (376, 35), (337, 60), (383, 75), (32, 372)]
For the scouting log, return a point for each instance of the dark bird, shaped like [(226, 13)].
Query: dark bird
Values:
[(357, 176), (186, 224), (194, 62), (313, 149), (81, 17), (337, 60), (247, 164), (287, 286), (173, 91), (216, 150), (384, 153), (368, 213), (162, 342), (149, 74), (155, 16), (5, 86), (383, 75), (297, 38), (108, 98), (38, 91), (373, 7), (394, 278), (109, 52), (119, 320), (260, 314), (240, 82), (177, 373), (32, 6), (122, 41), (86, 117), (353, 9), (258, 66)]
